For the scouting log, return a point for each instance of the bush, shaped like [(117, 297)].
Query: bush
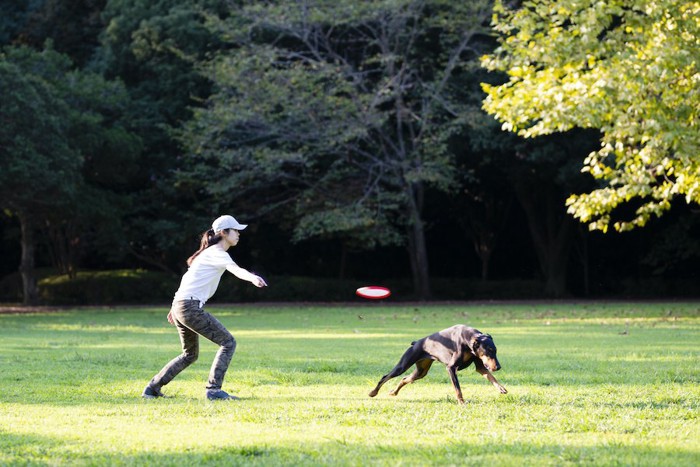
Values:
[(657, 287), (294, 288), (11, 288), (475, 289), (124, 286), (11, 285), (139, 286), (147, 287), (287, 289)]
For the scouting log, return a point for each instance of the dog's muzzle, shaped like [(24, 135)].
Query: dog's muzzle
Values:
[(492, 365)]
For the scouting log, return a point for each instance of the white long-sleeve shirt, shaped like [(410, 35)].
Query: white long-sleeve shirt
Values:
[(204, 274)]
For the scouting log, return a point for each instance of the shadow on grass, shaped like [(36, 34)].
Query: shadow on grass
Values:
[(43, 450), (27, 449)]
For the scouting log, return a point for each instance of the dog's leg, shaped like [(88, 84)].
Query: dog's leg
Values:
[(411, 356), (422, 368), (452, 371), (396, 371), (487, 374)]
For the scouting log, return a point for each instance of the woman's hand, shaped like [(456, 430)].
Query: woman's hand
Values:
[(259, 282), (171, 320)]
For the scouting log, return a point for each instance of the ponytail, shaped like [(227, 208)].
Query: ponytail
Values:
[(209, 238)]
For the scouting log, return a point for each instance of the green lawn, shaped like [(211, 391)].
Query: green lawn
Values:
[(589, 383)]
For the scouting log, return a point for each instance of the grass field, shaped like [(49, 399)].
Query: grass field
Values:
[(589, 383)]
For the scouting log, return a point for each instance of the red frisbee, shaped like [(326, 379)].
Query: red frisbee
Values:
[(373, 292)]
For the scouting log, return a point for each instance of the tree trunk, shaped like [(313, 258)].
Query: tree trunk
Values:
[(551, 232), (582, 250), (64, 244), (30, 291), (486, 232), (417, 249), (485, 256), (484, 218), (419, 262), (557, 258), (343, 260)]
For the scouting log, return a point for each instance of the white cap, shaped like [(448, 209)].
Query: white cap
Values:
[(227, 222)]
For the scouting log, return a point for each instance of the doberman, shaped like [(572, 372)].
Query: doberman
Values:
[(457, 347)]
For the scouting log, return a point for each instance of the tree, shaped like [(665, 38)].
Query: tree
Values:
[(482, 202), (152, 46), (500, 167), (538, 173), (340, 111), (627, 67), (542, 174), (72, 25), (64, 132), (14, 17), (482, 212), (38, 167)]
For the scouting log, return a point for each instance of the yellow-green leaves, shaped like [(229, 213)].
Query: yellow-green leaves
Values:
[(630, 68)]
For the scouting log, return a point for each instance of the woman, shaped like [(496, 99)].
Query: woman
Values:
[(206, 266)]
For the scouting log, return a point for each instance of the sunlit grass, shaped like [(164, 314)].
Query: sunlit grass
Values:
[(597, 384)]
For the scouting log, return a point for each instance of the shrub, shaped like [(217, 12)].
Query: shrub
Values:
[(124, 286), (139, 286), (287, 288), (11, 285), (11, 288)]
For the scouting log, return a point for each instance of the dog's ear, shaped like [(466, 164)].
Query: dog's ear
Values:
[(474, 344)]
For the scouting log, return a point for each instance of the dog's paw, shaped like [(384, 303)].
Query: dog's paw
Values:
[(373, 393), (503, 390)]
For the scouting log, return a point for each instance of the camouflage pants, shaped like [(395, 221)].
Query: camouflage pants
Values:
[(191, 322)]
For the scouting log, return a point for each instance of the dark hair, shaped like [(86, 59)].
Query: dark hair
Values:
[(209, 238)]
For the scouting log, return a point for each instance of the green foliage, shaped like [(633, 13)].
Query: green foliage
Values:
[(72, 25), (152, 46), (39, 168), (335, 109), (11, 284), (108, 287), (336, 116), (92, 136), (594, 384), (137, 286), (626, 67), (14, 17), (96, 124)]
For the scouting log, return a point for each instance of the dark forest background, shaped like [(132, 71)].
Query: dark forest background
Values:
[(109, 111)]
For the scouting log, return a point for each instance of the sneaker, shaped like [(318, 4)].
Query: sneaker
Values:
[(151, 393), (218, 394)]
